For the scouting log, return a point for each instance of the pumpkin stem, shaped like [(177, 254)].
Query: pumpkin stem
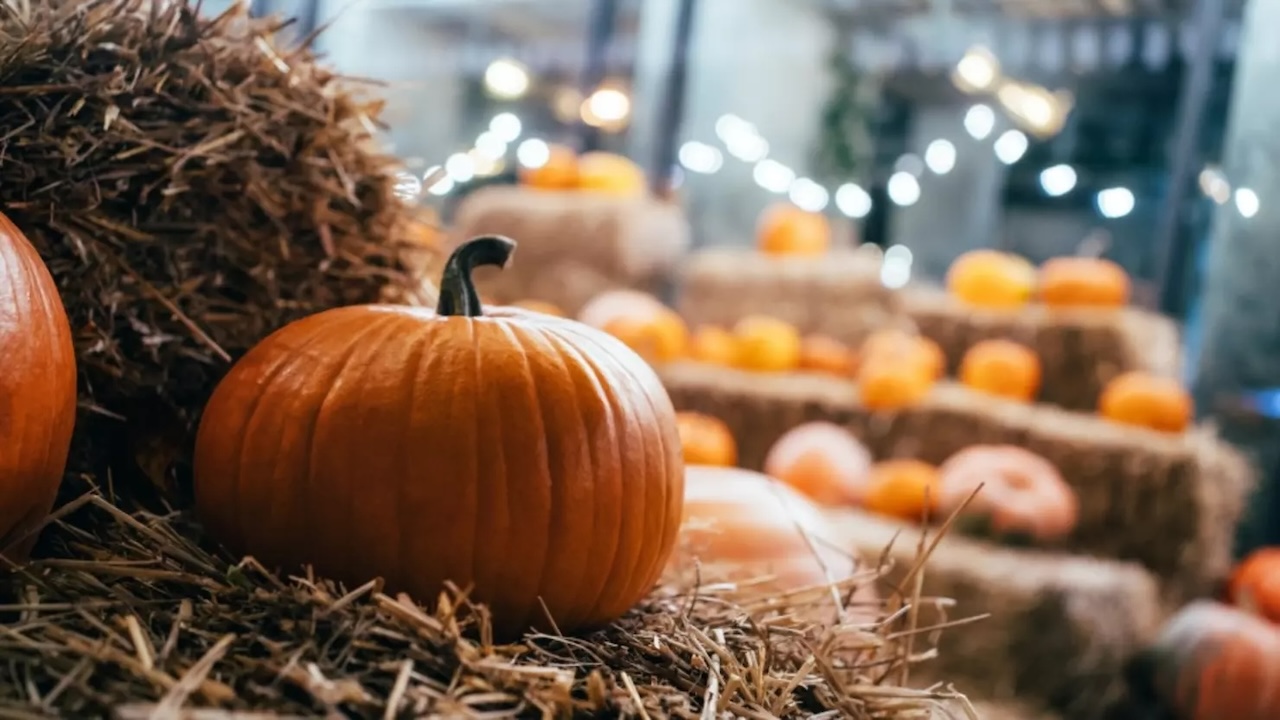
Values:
[(458, 294)]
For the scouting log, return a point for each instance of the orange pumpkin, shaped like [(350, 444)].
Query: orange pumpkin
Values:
[(530, 458), (1002, 367), (743, 526), (1022, 494), (1149, 401), (784, 229), (541, 306), (1083, 282), (766, 344), (822, 354), (1255, 584), (559, 172), (714, 345), (609, 173), (641, 321), (37, 392), (902, 347), (1212, 662), (822, 460), (904, 489), (887, 385), (612, 304), (992, 279), (706, 440)]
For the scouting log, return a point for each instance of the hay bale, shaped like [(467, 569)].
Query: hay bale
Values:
[(1081, 350), (573, 245), (1060, 629), (838, 294), (191, 188), (1168, 502)]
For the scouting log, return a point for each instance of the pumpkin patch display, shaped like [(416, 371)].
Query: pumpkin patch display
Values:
[(559, 172), (1255, 584), (904, 489), (1022, 495), (1148, 401), (823, 354), (786, 230), (706, 440), (1083, 282), (1002, 367), (530, 458), (992, 279), (37, 392), (766, 344), (823, 461), (609, 173), (713, 345)]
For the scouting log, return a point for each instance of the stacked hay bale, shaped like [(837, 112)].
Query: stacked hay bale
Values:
[(573, 245), (1080, 349), (1167, 502), (838, 294)]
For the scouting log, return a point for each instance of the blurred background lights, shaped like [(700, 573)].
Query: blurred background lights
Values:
[(1214, 184), (436, 181), (533, 153), (408, 186), (700, 158), (903, 189), (460, 167), (1247, 202), (490, 145), (506, 127), (1115, 202), (909, 163), (606, 107), (895, 268), (773, 176), (741, 138), (853, 201), (1058, 180), (506, 79), (808, 195), (1010, 146), (940, 156), (977, 71), (980, 121)]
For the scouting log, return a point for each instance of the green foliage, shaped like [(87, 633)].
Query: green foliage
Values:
[(845, 145)]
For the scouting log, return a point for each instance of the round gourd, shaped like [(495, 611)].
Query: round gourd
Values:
[(559, 172), (1255, 584), (826, 355), (37, 392), (1083, 282), (604, 172), (904, 489), (1149, 401), (641, 322), (530, 458), (902, 347), (892, 383), (1003, 368), (991, 279), (784, 229), (706, 440), (610, 305), (1022, 495), (767, 344), (823, 461), (713, 345)]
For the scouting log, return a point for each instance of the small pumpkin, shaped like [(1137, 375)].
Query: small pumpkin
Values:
[(641, 321), (1023, 495), (559, 172), (992, 279), (1212, 662), (902, 347), (905, 489), (37, 392), (1002, 367), (530, 458), (823, 354), (1083, 282), (1255, 584), (609, 173), (706, 440), (784, 229), (766, 344), (884, 384), (612, 304), (823, 461), (713, 345), (541, 306), (1146, 400)]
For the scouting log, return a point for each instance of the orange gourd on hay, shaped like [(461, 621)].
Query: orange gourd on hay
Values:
[(823, 461), (784, 229), (559, 172), (706, 440), (529, 458), (901, 346), (1255, 584), (713, 345), (1213, 662), (766, 344), (641, 321), (1083, 282), (1145, 400), (822, 354), (609, 173), (904, 489), (992, 279), (1002, 367), (541, 306), (1021, 495), (897, 369)]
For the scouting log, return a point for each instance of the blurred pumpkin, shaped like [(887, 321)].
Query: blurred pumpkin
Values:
[(604, 172), (822, 460), (904, 489), (612, 304), (1002, 367), (784, 229), (819, 353), (884, 384), (766, 344), (992, 279), (1022, 494), (658, 339), (559, 172), (544, 470), (706, 440), (713, 345), (541, 306), (903, 347), (1083, 282), (1145, 400), (1255, 584), (743, 526), (37, 392), (1212, 662)]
